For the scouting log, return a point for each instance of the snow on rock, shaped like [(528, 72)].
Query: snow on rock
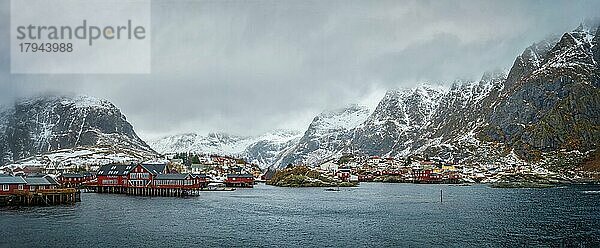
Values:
[(328, 134), (47, 123), (261, 150), (397, 120), (82, 158)]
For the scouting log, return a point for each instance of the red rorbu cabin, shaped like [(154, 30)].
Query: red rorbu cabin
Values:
[(75, 179), (240, 180), (113, 175), (10, 185), (142, 175)]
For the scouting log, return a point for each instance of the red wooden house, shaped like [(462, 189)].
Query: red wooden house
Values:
[(75, 179), (142, 175), (343, 174), (175, 181), (240, 180), (147, 179), (422, 175), (40, 183), (10, 184), (366, 178), (201, 180), (113, 175), (427, 176)]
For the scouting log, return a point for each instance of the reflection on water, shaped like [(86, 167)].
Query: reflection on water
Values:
[(370, 215)]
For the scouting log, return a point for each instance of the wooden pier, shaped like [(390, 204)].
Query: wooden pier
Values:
[(42, 197), (143, 191)]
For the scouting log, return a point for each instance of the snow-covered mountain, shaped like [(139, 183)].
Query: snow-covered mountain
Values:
[(547, 105), (261, 150), (213, 143), (554, 104), (329, 131), (43, 124), (86, 158), (267, 148), (328, 134), (397, 121)]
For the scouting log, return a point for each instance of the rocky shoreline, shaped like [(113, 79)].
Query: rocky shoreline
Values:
[(302, 176)]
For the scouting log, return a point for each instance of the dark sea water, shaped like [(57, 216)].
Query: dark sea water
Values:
[(372, 215)]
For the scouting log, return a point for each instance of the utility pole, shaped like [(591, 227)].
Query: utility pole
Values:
[(441, 196)]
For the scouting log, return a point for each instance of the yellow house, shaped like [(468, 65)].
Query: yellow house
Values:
[(448, 167)]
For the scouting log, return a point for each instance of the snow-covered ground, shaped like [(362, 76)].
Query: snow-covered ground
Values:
[(88, 158)]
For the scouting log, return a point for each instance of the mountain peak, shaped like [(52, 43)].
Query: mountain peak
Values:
[(52, 122), (496, 75)]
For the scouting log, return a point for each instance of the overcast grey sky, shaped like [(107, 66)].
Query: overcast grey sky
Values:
[(247, 67)]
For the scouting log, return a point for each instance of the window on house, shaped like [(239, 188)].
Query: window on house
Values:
[(20, 186), (5, 187)]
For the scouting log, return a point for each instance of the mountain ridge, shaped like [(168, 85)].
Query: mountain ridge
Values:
[(545, 108), (41, 124)]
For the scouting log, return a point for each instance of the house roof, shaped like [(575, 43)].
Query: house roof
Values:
[(115, 170), (72, 175), (174, 176), (155, 168), (200, 175), (38, 181), (52, 180), (36, 175), (240, 175), (11, 180)]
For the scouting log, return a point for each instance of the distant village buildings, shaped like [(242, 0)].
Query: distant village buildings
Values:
[(375, 168)]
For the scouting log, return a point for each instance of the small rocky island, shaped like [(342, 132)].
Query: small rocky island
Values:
[(303, 176)]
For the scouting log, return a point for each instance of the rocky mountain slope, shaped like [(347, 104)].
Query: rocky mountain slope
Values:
[(545, 109), (553, 102), (267, 148), (397, 121), (329, 133), (547, 105), (38, 125), (213, 143), (262, 150)]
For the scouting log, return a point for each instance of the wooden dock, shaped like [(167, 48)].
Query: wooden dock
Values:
[(144, 191), (42, 197)]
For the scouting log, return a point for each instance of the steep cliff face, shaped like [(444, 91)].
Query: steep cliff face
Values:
[(451, 133), (34, 126), (547, 105), (464, 107), (596, 47), (213, 143), (397, 121), (328, 134), (268, 148), (530, 60), (554, 104)]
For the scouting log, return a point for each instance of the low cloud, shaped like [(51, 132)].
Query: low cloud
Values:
[(247, 67)]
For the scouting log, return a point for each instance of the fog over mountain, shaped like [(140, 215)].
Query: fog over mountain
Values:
[(247, 68)]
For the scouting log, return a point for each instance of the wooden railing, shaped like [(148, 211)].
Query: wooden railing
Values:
[(47, 191)]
